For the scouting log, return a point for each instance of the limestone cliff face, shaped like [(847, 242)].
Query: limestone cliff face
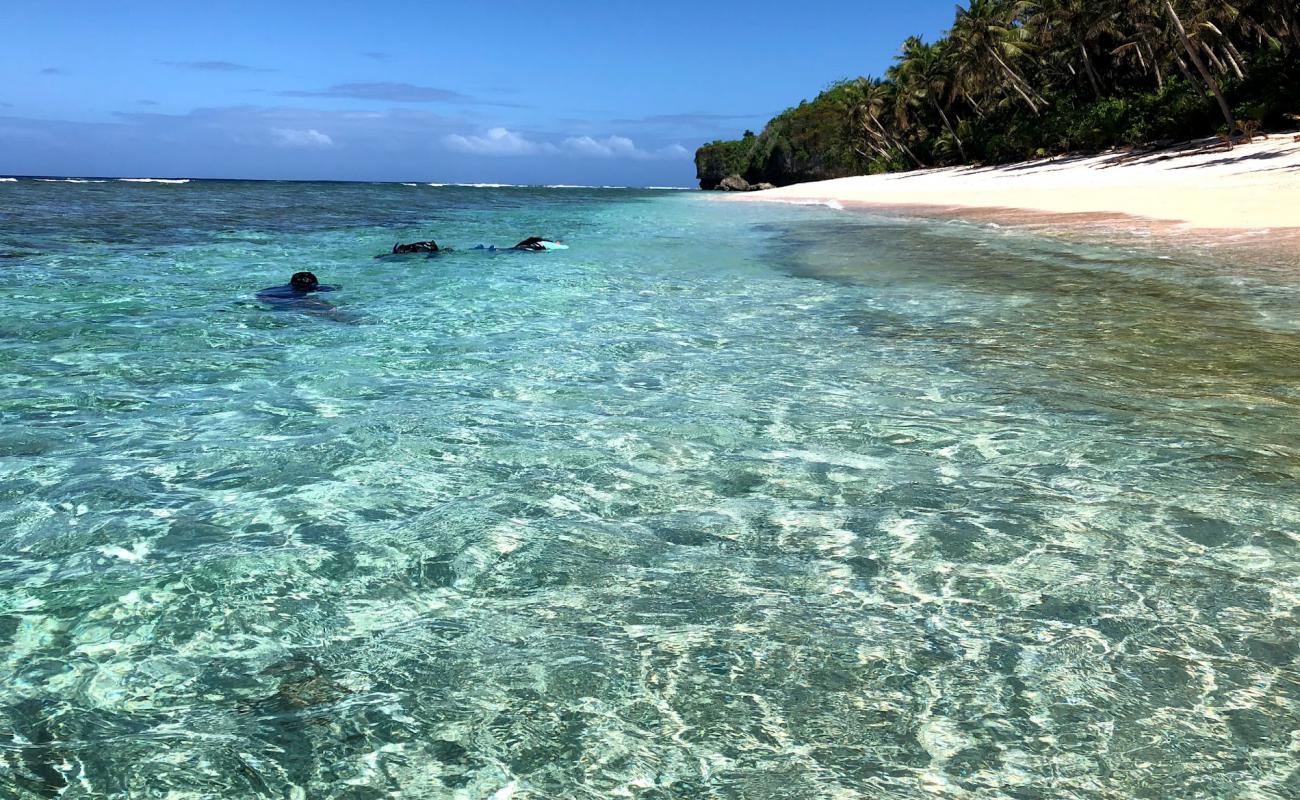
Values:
[(810, 142), (716, 162)]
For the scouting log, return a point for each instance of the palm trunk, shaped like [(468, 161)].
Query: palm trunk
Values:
[(880, 150), (1160, 78), (897, 143), (1136, 47), (877, 139), (1016, 80), (1234, 56), (1291, 25), (960, 147), (1092, 75), (1205, 73), (1155, 66), (1214, 57), (1016, 77)]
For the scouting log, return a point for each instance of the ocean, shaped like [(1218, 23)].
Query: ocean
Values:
[(725, 501)]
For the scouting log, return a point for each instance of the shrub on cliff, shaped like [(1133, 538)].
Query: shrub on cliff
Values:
[(811, 141)]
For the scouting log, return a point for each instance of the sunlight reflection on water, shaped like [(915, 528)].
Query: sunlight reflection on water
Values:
[(721, 502)]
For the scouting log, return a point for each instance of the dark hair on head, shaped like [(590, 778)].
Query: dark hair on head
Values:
[(304, 280)]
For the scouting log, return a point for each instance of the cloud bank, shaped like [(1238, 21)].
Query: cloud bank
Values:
[(504, 142), (396, 143), (497, 142), (310, 138)]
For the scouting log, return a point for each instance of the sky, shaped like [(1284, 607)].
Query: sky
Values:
[(569, 91)]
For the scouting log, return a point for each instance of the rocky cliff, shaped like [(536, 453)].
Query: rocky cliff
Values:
[(810, 142)]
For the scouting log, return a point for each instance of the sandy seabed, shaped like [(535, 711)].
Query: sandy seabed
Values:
[(1193, 186)]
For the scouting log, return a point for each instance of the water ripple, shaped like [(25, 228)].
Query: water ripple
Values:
[(721, 502)]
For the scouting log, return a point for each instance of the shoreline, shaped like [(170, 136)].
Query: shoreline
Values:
[(1195, 186)]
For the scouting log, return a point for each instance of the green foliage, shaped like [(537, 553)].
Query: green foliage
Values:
[(1017, 79), (807, 142), (725, 157)]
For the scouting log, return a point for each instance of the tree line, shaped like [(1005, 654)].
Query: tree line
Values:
[(1015, 79)]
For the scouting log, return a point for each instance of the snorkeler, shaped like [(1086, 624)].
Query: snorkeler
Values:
[(531, 244), (537, 243), (297, 293), (416, 247)]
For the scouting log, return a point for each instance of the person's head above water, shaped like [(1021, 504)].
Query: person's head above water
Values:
[(429, 246), (295, 291), (304, 281)]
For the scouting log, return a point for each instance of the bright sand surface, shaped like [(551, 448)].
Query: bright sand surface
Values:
[(1201, 184)]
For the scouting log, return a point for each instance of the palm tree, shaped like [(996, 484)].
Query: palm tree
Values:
[(1076, 23), (1270, 22), (1143, 24), (1212, 22), (1286, 12), (989, 33), (1190, 46), (924, 74), (875, 96), (865, 104)]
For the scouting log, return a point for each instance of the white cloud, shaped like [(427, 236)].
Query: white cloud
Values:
[(503, 142), (601, 148), (619, 147), (311, 138), (497, 142)]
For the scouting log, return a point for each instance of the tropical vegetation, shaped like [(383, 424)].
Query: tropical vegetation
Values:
[(1017, 79)]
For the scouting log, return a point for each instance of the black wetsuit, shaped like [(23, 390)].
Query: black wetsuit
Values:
[(291, 297), (416, 247)]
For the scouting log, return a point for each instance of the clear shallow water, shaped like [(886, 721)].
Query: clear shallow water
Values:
[(725, 501)]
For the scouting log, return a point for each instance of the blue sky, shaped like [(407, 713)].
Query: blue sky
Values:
[(578, 92)]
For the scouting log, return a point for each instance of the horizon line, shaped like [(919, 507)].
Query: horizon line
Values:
[(431, 184)]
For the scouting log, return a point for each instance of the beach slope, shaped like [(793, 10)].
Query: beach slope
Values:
[(1199, 184)]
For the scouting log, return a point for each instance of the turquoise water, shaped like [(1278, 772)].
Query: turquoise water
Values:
[(725, 501)]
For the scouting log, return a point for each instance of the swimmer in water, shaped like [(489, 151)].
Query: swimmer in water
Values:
[(537, 244), (534, 244), (298, 293), (416, 247)]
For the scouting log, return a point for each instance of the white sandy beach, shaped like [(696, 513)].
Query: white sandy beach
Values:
[(1201, 184)]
